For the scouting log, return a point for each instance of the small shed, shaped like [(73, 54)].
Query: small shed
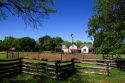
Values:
[(86, 48), (72, 47), (65, 49)]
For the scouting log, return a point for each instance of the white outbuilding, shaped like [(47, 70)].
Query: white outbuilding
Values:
[(72, 47), (65, 49), (86, 48)]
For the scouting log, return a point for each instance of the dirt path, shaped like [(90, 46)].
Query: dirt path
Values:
[(64, 57)]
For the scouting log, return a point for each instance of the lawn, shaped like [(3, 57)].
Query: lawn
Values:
[(117, 76)]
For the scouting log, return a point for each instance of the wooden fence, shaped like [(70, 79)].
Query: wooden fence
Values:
[(95, 66), (57, 70), (10, 67)]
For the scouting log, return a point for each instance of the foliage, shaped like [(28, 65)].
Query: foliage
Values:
[(10, 42), (37, 46), (107, 26), (30, 11), (21, 44), (79, 43), (45, 42), (27, 44), (1, 45), (67, 43), (48, 43), (57, 42)]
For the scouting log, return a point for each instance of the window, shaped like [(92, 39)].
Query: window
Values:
[(84, 50)]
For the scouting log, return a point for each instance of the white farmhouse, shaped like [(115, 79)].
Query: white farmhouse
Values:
[(65, 49), (85, 48), (72, 47)]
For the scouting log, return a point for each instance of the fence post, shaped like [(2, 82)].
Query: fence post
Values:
[(107, 67), (7, 54), (73, 65), (18, 54), (20, 65), (56, 69)]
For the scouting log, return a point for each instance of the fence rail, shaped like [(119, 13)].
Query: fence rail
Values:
[(10, 67), (59, 69), (103, 68)]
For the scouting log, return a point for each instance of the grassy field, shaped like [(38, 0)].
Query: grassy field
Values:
[(117, 76)]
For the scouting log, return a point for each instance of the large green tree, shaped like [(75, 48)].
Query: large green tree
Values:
[(57, 41), (10, 42), (79, 43), (1, 45), (46, 43), (49, 43), (107, 26), (67, 43), (27, 44), (31, 11)]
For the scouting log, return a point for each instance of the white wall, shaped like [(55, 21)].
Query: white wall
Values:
[(85, 49), (65, 50), (72, 47)]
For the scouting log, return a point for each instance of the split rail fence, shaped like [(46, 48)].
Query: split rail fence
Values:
[(95, 66), (57, 70)]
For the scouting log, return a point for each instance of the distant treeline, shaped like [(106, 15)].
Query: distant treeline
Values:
[(45, 43)]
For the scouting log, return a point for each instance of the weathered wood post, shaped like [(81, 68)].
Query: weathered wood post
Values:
[(73, 65), (20, 65), (56, 69), (18, 54), (7, 54), (107, 67)]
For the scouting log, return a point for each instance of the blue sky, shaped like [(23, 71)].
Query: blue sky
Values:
[(72, 17)]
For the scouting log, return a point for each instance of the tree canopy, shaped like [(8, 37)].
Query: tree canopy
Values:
[(21, 44), (27, 44), (67, 43), (107, 26), (31, 11), (79, 43), (49, 43)]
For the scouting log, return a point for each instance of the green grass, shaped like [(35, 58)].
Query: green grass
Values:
[(3, 55), (116, 76)]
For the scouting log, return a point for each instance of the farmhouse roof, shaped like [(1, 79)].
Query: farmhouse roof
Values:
[(87, 45)]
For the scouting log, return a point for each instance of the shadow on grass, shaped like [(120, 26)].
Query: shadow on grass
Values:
[(120, 63), (24, 78)]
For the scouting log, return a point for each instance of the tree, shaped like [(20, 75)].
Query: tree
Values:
[(90, 43), (30, 11), (57, 41), (48, 43), (45, 43), (107, 26), (10, 42), (1, 45), (37, 46), (27, 44), (67, 43), (79, 43)]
